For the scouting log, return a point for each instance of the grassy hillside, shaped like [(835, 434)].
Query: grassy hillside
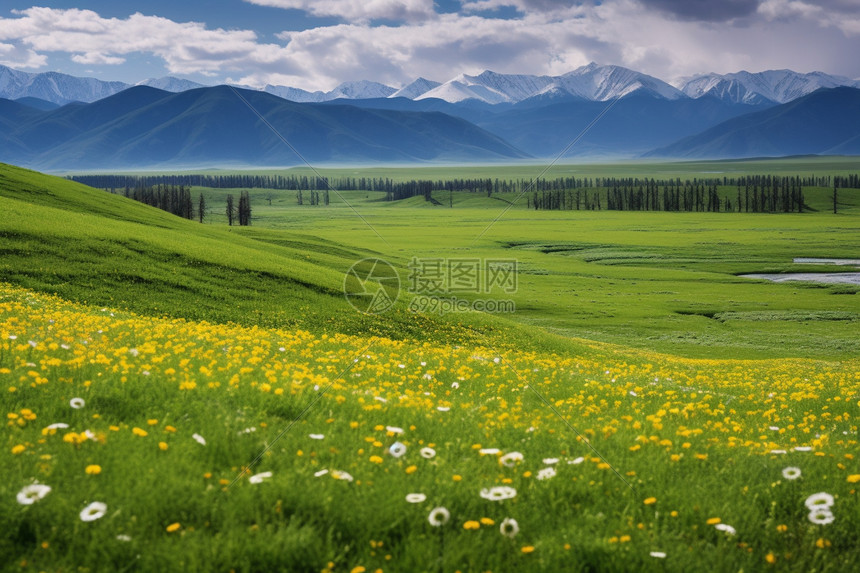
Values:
[(579, 271), (200, 397)]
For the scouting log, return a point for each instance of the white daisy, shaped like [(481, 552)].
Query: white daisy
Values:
[(320, 473), (57, 426), (316, 436), (726, 527), (550, 461), (341, 475), (511, 459), (259, 478), (428, 453), (578, 460), (489, 451), (802, 449), (791, 473), (443, 408), (438, 517), (509, 527), (394, 429), (95, 510), (123, 537), (416, 497), (822, 516), (546, 473), (819, 500), (658, 554), (32, 493), (77, 403), (397, 449), (498, 493), (199, 439)]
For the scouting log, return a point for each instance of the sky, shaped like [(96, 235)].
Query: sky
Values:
[(317, 44)]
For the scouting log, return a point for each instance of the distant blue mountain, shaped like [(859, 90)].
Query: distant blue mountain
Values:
[(824, 122), (40, 104), (544, 125), (146, 127)]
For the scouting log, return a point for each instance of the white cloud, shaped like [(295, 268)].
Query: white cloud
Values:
[(18, 57), (90, 39), (827, 14), (358, 10), (547, 38), (92, 58)]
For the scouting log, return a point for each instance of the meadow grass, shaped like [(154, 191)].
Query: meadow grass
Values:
[(647, 452), (666, 394)]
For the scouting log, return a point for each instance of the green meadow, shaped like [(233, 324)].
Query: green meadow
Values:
[(215, 395)]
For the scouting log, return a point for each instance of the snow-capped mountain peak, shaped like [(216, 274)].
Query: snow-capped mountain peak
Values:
[(777, 86), (416, 88), (362, 89), (55, 87)]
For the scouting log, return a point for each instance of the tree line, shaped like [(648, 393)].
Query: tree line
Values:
[(404, 189), (177, 200), (774, 195)]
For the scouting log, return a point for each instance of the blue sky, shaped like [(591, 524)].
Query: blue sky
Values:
[(316, 44)]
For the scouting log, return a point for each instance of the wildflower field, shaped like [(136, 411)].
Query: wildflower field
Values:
[(186, 397), (164, 444)]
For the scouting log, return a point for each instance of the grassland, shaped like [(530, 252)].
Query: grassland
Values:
[(661, 405)]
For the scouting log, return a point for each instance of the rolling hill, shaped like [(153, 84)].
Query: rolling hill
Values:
[(824, 122), (146, 127)]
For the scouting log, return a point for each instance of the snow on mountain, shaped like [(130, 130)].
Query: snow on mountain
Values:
[(417, 88), (779, 86), (171, 84), (295, 94), (592, 82), (55, 87), (604, 83), (362, 89)]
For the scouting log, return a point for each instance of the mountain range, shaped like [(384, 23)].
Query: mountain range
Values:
[(605, 112), (592, 82), (220, 127)]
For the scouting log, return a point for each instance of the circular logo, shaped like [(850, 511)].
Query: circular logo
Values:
[(371, 286)]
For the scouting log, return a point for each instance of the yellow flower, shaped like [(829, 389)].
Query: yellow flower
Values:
[(770, 558), (853, 478), (487, 521), (624, 539), (821, 543), (713, 521), (18, 449), (139, 432), (93, 469), (782, 528), (411, 469), (528, 549), (152, 422), (471, 524), (170, 429), (457, 477), (162, 446), (376, 459), (650, 501), (173, 527), (358, 569)]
